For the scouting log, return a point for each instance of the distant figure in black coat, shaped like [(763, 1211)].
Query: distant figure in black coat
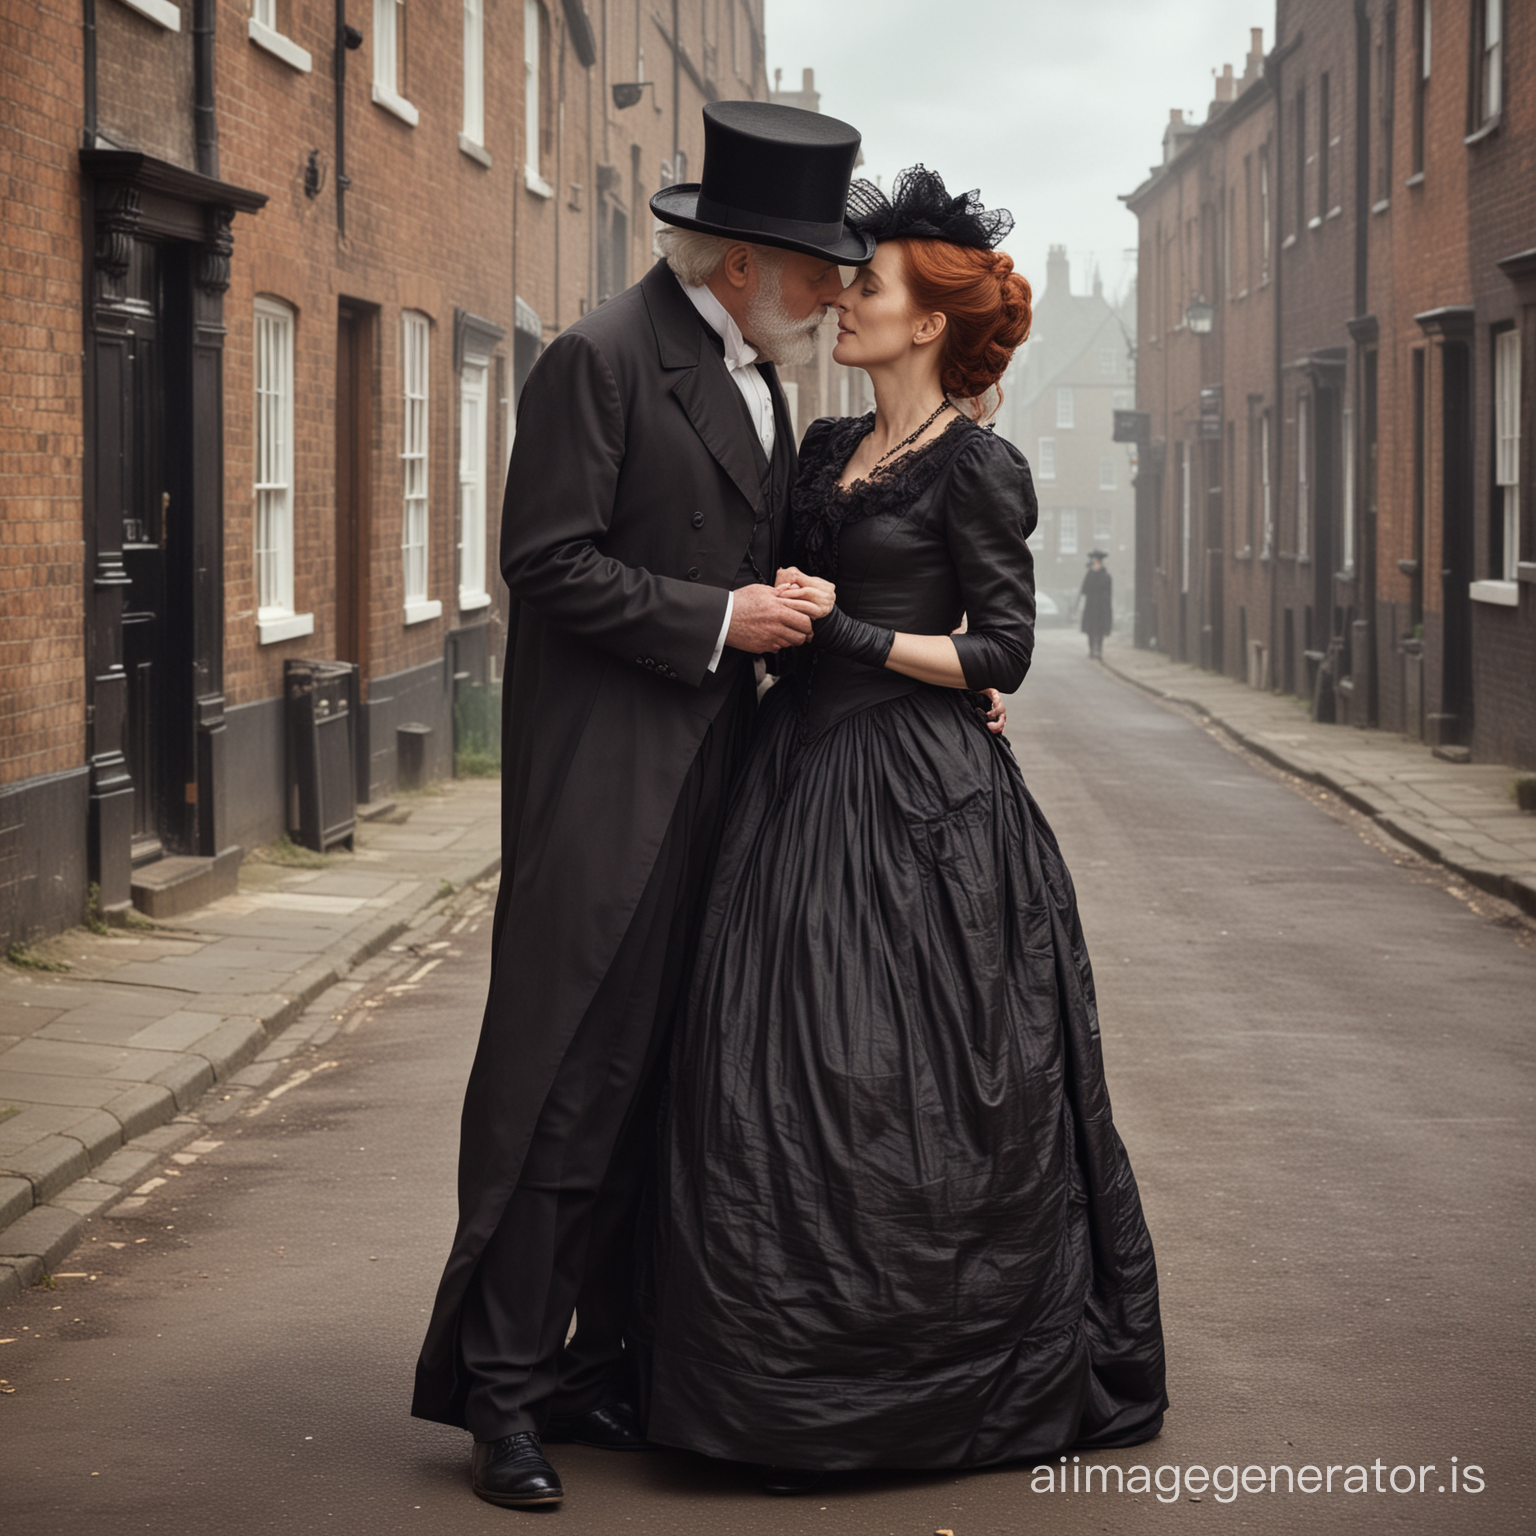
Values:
[(1098, 610)]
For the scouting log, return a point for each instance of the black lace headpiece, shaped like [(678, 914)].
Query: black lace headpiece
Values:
[(921, 208)]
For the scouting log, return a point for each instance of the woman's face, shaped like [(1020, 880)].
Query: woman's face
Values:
[(876, 319)]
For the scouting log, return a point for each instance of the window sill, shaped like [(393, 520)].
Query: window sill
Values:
[(1416, 180), (1335, 211), (1382, 205), (161, 12), (396, 104), (1244, 554), (1526, 571), (476, 152), (470, 600), (1503, 594), (278, 46), (420, 612), (1487, 131), (536, 183), (1288, 242), (1315, 222), (283, 626)]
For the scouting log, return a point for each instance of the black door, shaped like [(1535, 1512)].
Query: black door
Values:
[(158, 713)]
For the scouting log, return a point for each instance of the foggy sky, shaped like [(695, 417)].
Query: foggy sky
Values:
[(1050, 107)]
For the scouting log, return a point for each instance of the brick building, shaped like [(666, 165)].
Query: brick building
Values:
[(318, 259), (1059, 398), (1356, 521)]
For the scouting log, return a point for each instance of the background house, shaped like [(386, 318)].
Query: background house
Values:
[(1059, 398)]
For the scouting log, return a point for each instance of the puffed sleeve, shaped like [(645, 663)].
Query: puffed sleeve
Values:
[(990, 512)]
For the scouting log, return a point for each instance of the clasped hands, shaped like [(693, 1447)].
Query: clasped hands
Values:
[(765, 619)]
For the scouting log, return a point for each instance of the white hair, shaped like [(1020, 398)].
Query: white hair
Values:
[(696, 257)]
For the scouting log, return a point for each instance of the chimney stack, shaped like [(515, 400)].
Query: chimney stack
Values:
[(1058, 272)]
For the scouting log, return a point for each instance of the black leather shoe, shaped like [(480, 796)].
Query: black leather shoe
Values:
[(615, 1427), (786, 1481), (512, 1472)]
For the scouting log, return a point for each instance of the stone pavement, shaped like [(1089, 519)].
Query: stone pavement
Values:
[(101, 1063), (1461, 815)]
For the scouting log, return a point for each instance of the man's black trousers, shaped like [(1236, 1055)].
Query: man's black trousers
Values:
[(566, 1239)]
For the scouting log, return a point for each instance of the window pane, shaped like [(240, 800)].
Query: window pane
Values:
[(384, 45), (1067, 544), (474, 70), (413, 454), (274, 459)]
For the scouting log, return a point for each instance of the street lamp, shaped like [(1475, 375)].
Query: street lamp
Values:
[(1200, 316), (627, 94)]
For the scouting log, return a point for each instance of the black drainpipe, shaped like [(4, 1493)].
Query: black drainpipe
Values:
[(204, 21), (88, 47)]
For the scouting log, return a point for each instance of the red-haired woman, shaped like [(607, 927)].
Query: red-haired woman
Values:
[(895, 1226)]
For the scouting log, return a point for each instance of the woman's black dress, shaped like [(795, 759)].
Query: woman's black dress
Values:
[(895, 1225)]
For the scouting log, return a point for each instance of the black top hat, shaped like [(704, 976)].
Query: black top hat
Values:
[(773, 175), (1098, 554)]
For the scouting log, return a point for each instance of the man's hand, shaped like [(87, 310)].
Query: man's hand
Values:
[(811, 594), (765, 619)]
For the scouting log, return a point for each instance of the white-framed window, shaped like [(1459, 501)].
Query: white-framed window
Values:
[(1490, 67), (1066, 532), (416, 357), (1303, 481), (474, 72), (1109, 362), (1264, 235), (1185, 518), (1064, 408), (388, 57), (1106, 471), (273, 489), (1047, 458), (1506, 432), (1266, 505), (263, 30), (1103, 529), (473, 417), (533, 120)]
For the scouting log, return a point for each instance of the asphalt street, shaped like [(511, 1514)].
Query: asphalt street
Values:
[(1320, 1062)]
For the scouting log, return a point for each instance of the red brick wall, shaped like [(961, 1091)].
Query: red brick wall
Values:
[(429, 229), (42, 673)]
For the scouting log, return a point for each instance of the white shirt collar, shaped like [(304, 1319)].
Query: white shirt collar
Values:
[(739, 353)]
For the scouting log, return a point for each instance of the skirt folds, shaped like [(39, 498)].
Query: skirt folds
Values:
[(894, 1223)]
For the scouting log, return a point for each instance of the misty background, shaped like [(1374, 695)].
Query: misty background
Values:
[(1052, 110)]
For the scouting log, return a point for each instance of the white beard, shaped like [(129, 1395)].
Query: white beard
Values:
[(777, 336)]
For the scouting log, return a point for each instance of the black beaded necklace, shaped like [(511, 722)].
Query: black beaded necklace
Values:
[(906, 442)]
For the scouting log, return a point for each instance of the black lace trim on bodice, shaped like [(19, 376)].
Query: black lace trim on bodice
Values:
[(820, 508)]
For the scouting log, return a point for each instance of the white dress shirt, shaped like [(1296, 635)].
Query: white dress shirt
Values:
[(741, 364)]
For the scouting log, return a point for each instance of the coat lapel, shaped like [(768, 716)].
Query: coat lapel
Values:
[(703, 386)]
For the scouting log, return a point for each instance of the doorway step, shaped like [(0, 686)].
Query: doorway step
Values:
[(169, 887)]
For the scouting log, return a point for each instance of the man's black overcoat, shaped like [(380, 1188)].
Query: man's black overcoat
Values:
[(629, 509)]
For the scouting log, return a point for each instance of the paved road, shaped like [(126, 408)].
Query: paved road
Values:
[(1320, 1063)]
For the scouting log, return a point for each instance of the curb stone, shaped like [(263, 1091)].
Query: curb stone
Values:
[(150, 1120), (1518, 890)]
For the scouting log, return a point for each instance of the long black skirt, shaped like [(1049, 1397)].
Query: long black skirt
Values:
[(894, 1224)]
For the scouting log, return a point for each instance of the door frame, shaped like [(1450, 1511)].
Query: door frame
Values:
[(128, 196)]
